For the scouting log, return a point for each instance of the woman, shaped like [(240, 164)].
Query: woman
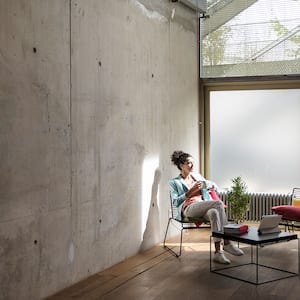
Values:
[(187, 196)]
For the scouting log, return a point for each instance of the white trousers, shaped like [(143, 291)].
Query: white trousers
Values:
[(211, 210)]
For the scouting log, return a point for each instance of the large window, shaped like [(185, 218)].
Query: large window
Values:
[(255, 134), (250, 38)]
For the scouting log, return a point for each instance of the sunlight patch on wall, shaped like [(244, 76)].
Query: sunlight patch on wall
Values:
[(148, 13), (150, 165)]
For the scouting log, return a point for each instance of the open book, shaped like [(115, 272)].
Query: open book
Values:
[(269, 224)]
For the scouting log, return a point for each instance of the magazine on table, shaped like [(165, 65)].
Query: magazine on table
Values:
[(236, 228)]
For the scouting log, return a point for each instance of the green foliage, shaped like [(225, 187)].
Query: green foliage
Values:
[(214, 45), (238, 199), (282, 30)]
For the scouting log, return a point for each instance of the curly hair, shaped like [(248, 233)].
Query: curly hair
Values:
[(179, 157)]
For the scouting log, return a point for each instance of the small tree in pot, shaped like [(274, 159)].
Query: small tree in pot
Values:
[(238, 199)]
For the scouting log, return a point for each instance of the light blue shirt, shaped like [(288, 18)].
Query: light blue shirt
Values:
[(178, 188)]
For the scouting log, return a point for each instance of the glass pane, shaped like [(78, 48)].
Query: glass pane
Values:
[(255, 134), (251, 38)]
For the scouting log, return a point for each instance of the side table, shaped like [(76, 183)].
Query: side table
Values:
[(253, 239)]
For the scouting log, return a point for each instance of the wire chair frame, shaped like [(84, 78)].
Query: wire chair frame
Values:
[(184, 224), (290, 225)]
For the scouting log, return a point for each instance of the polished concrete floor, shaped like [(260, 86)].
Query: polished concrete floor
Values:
[(158, 275)]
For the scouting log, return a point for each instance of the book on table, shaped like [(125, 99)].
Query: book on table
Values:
[(236, 228)]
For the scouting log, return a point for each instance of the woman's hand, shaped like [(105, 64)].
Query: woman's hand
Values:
[(194, 189)]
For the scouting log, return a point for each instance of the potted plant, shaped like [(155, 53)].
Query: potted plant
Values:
[(238, 199)]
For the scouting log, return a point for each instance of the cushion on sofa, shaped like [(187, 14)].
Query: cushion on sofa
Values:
[(288, 212)]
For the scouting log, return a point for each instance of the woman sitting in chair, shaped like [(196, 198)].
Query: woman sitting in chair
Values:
[(187, 192)]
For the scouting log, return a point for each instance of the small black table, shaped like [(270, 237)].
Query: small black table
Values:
[(254, 239)]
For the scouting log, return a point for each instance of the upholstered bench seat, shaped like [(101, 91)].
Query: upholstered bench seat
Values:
[(288, 212)]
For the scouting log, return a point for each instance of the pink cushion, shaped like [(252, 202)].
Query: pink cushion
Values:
[(214, 195), (288, 212)]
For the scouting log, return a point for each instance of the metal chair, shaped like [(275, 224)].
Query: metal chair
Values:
[(184, 224), (295, 202)]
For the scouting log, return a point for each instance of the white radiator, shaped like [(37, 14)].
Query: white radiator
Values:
[(260, 204)]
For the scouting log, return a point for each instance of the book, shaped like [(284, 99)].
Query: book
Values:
[(236, 228)]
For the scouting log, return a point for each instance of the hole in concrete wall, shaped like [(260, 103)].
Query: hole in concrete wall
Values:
[(35, 242), (99, 63), (34, 50), (100, 221), (152, 75)]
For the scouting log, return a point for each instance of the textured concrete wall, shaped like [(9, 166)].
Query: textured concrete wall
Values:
[(94, 97)]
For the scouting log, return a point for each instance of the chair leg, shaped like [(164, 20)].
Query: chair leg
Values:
[(293, 226), (181, 232), (170, 249), (290, 226), (166, 233)]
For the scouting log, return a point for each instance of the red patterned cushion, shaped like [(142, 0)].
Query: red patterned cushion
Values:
[(288, 212)]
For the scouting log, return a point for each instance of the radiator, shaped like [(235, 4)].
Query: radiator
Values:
[(260, 204)]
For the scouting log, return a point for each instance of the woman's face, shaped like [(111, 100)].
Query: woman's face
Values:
[(188, 165)]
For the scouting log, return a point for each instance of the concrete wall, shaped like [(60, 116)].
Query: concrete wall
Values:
[(94, 97)]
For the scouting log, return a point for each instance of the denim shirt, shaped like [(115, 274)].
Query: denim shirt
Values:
[(178, 188)]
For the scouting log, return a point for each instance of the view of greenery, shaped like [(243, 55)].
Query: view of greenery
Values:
[(214, 45), (282, 30), (248, 38)]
